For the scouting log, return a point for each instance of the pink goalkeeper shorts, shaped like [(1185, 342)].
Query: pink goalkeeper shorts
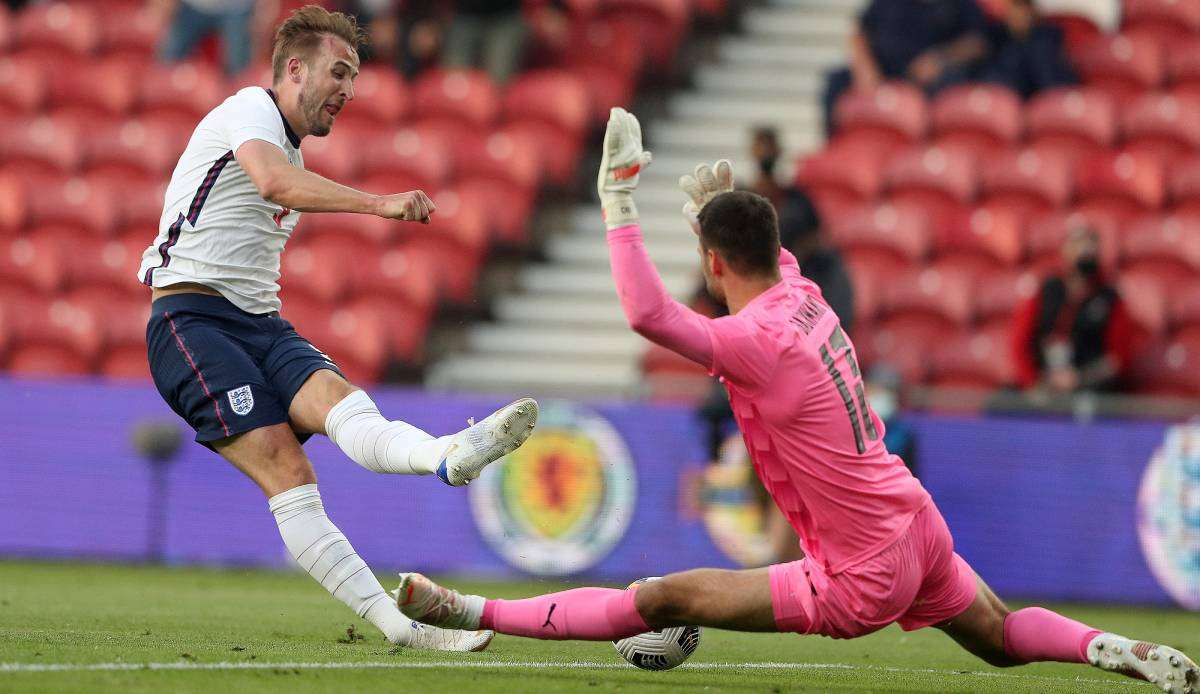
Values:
[(918, 581)]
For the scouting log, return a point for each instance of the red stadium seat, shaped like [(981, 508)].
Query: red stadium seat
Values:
[(1168, 247), (504, 156), (91, 88), (457, 271), (139, 205), (122, 315), (1145, 296), (257, 74), (466, 96), (985, 238), (1161, 19), (46, 361), (1169, 368), (658, 24), (1047, 233), (558, 153), (337, 156), (42, 145), (902, 345), (321, 267), (890, 117), (6, 28), (376, 230), (1185, 186), (125, 363), (51, 323), (1078, 30), (24, 84), (417, 158), (940, 181), (1121, 66), (867, 292), (58, 28), (1120, 183), (979, 118), (1027, 181), (1183, 309), (132, 31), (998, 294), (1163, 126), (1183, 67), (95, 265), (399, 276), (353, 338), (404, 327), (189, 89), (34, 263), (973, 360), (930, 295), (380, 96), (883, 238), (550, 108), (841, 177), (607, 87), (1074, 122), (606, 59), (134, 149), (72, 203)]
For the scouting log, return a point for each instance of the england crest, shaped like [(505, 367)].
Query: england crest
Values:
[(241, 400)]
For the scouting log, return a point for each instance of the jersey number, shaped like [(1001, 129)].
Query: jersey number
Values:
[(856, 403)]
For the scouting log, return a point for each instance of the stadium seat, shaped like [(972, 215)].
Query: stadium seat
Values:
[(509, 209), (550, 108), (339, 154), (190, 89), (34, 263), (139, 205), (973, 360), (24, 84), (321, 267), (867, 290), (416, 158), (606, 59), (1183, 310), (6, 28), (1027, 181), (404, 327), (1183, 67), (40, 361), (982, 119), (56, 323), (890, 117), (1073, 122), (984, 238), (41, 145), (838, 178), (123, 315), (457, 271), (94, 88), (1168, 368), (125, 363), (134, 149), (97, 265), (1163, 126), (901, 345), (1168, 247), (658, 24), (883, 239), (380, 97), (1046, 234), (74, 204), (929, 295), (1161, 20), (608, 86), (1121, 66), (998, 294), (1185, 186), (1145, 295), (352, 337), (1120, 183), (132, 31), (509, 157), (377, 230), (54, 29), (941, 181), (466, 96), (397, 275)]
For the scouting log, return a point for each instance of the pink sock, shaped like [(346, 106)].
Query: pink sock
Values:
[(1036, 634), (586, 614)]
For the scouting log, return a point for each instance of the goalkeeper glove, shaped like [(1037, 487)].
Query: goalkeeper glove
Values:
[(704, 185), (622, 161)]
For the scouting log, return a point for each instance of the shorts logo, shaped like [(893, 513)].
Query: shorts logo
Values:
[(241, 400)]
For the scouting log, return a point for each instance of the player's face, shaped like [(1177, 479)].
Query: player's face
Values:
[(330, 84)]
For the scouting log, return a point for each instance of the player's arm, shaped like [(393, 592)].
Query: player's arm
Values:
[(297, 189), (648, 306)]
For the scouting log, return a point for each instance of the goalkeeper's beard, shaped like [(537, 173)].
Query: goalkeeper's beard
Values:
[(715, 289)]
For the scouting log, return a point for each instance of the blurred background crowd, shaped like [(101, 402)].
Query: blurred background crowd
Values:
[(998, 197)]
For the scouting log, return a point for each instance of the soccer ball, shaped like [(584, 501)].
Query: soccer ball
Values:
[(662, 649)]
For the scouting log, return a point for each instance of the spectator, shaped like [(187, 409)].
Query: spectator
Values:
[(931, 43), (241, 25), (1027, 52), (492, 34), (1074, 334)]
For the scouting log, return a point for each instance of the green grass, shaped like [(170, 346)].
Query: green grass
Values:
[(85, 613)]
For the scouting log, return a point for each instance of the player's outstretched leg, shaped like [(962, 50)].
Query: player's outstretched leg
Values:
[(738, 600), (356, 426), (1034, 634), (272, 457)]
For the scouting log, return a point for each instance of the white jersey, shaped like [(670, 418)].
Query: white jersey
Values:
[(216, 229)]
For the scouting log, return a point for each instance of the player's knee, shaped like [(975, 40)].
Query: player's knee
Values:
[(665, 603)]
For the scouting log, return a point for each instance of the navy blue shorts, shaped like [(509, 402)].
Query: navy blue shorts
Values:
[(226, 371)]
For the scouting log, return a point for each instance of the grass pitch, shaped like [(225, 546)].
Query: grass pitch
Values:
[(85, 627)]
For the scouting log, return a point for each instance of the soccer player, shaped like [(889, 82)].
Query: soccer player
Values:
[(224, 360), (877, 550)]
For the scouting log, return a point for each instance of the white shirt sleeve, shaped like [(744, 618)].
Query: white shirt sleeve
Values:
[(252, 115)]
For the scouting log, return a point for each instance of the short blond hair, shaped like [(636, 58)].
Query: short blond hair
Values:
[(300, 34)]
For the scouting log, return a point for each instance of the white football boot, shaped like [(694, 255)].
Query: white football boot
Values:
[(1162, 666), (434, 639), (425, 601), (471, 450)]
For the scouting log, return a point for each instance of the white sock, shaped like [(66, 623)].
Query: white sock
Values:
[(323, 551), (378, 444)]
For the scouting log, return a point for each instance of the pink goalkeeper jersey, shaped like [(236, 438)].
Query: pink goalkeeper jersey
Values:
[(797, 394)]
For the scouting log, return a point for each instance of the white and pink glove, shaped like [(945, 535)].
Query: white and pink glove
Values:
[(620, 165), (702, 186)]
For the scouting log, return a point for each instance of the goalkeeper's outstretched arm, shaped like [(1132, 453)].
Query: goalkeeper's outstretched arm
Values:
[(648, 306)]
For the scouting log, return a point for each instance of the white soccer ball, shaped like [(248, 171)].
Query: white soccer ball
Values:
[(662, 649)]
